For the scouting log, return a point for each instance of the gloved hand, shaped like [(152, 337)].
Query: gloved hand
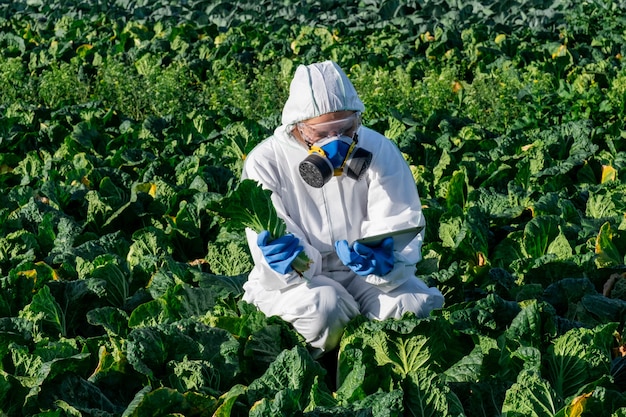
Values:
[(280, 252), (365, 260)]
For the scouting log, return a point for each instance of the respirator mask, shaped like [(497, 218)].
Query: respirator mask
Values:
[(333, 151)]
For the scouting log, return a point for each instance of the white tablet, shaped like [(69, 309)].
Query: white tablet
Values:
[(401, 237)]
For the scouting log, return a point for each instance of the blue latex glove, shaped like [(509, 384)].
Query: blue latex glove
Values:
[(280, 252), (365, 260)]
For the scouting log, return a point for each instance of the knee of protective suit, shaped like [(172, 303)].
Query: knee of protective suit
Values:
[(325, 318), (420, 302), (423, 303)]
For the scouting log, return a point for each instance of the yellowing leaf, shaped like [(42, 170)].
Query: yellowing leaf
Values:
[(607, 254), (500, 38), (561, 51), (427, 37), (31, 273), (295, 48), (147, 187), (104, 357), (608, 173), (220, 39), (577, 406), (47, 273), (83, 49)]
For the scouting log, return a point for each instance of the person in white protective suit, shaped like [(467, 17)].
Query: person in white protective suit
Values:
[(334, 181)]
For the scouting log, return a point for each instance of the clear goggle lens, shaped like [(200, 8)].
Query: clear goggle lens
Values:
[(320, 131)]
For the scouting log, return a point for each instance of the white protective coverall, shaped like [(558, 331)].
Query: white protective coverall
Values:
[(385, 199)]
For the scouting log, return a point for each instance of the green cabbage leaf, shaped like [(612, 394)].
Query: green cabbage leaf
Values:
[(250, 205)]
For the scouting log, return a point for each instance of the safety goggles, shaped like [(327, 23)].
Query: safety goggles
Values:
[(313, 133)]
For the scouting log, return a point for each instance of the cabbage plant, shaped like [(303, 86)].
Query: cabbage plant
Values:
[(250, 205)]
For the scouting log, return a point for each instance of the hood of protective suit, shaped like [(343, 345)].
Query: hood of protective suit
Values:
[(318, 89)]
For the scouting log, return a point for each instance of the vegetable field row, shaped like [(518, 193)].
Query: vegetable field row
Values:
[(123, 124)]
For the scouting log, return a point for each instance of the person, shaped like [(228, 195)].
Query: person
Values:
[(335, 181)]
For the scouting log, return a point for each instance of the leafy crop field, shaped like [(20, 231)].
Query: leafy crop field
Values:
[(122, 122)]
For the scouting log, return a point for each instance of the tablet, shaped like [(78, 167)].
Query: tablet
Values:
[(401, 237)]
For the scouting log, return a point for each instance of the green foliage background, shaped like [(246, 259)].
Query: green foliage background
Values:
[(123, 122)]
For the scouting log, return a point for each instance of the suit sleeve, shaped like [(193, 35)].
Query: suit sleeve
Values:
[(267, 174), (393, 204)]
